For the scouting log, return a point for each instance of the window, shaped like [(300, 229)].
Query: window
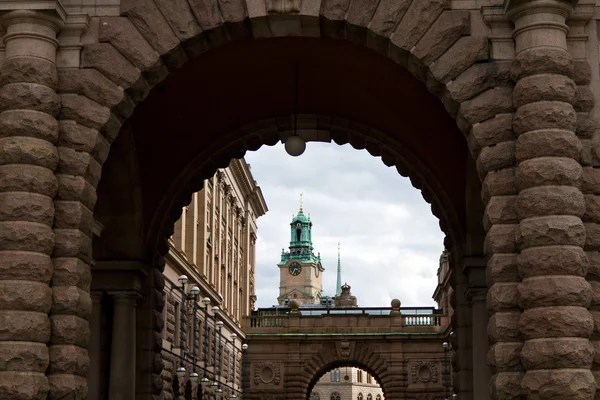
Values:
[(298, 234), (359, 380), (315, 396), (360, 396), (368, 379), (335, 396), (378, 397), (369, 396), (335, 375)]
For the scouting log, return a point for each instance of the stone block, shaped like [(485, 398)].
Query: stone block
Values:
[(504, 327), (544, 171), (584, 101), (67, 386), (500, 210), (544, 87), (26, 266), (553, 260), (84, 111), (592, 208), (506, 385), (497, 157), (582, 72), (479, 78), (559, 384), (586, 125), (549, 200), (546, 291), (207, 13), (540, 60), (503, 296), (545, 115), (25, 296), (23, 385), (26, 236), (446, 30), (554, 322), (29, 70), (592, 239), (30, 123), (71, 300), (550, 142), (499, 183), (557, 353), (72, 272), (78, 163), (505, 357), (23, 206), (73, 215), (417, 20), (501, 239), (551, 230), (465, 52), (76, 188), (31, 96), (502, 268), (73, 243), (68, 359), (487, 105), (23, 356), (92, 84), (387, 16), (124, 36), (112, 64), (77, 137), (24, 326), (28, 150), (150, 22), (69, 329), (180, 18)]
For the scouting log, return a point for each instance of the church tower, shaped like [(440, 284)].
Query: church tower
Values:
[(300, 270)]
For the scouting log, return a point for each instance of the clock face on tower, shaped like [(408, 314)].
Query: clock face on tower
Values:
[(295, 269)]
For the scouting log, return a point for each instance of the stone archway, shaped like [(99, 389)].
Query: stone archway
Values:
[(54, 148)]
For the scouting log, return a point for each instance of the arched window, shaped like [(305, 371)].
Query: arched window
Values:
[(335, 375), (298, 234), (378, 397), (360, 396), (315, 396), (335, 396), (369, 396)]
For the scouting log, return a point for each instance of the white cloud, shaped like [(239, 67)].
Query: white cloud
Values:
[(390, 240)]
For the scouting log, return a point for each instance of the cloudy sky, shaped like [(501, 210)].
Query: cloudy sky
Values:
[(390, 241)]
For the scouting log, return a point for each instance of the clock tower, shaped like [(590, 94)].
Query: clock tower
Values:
[(300, 270)]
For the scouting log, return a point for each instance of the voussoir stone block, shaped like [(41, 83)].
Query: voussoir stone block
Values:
[(545, 115), (487, 105), (151, 23), (92, 84), (551, 230), (179, 16), (27, 326), (559, 384), (503, 296), (360, 12), (25, 295), (124, 36), (478, 78), (28, 178), (68, 359), (388, 15), (555, 171), (551, 142), (417, 20), (29, 70), (446, 30), (31, 96), (83, 110), (30, 123), (549, 200), (555, 290), (106, 59), (207, 13), (21, 356), (24, 206), (553, 260), (465, 52), (20, 385), (552, 322)]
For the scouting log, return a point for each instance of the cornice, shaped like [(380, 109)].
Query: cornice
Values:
[(51, 6)]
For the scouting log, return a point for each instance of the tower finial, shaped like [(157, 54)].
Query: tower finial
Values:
[(338, 289), (301, 201)]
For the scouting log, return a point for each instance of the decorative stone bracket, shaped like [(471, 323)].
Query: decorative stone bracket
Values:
[(283, 6), (74, 25)]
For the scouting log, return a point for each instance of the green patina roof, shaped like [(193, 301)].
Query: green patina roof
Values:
[(301, 247)]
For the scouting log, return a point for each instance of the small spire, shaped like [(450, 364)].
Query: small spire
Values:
[(338, 289), (301, 201)]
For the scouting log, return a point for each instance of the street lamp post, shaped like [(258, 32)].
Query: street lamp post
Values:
[(181, 370), (219, 326), (446, 345), (233, 351), (244, 356), (206, 302), (215, 383), (195, 291)]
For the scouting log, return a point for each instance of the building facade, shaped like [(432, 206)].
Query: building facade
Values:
[(347, 383), (214, 247)]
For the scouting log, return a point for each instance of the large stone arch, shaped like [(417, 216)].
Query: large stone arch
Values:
[(49, 198)]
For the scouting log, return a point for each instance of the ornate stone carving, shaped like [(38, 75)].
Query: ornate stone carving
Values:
[(424, 372), (345, 349), (283, 6), (267, 373)]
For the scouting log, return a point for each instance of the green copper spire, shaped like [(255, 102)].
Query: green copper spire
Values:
[(338, 286), (301, 247)]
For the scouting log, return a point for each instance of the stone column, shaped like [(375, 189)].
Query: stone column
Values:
[(123, 346), (28, 158), (554, 295), (94, 347)]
